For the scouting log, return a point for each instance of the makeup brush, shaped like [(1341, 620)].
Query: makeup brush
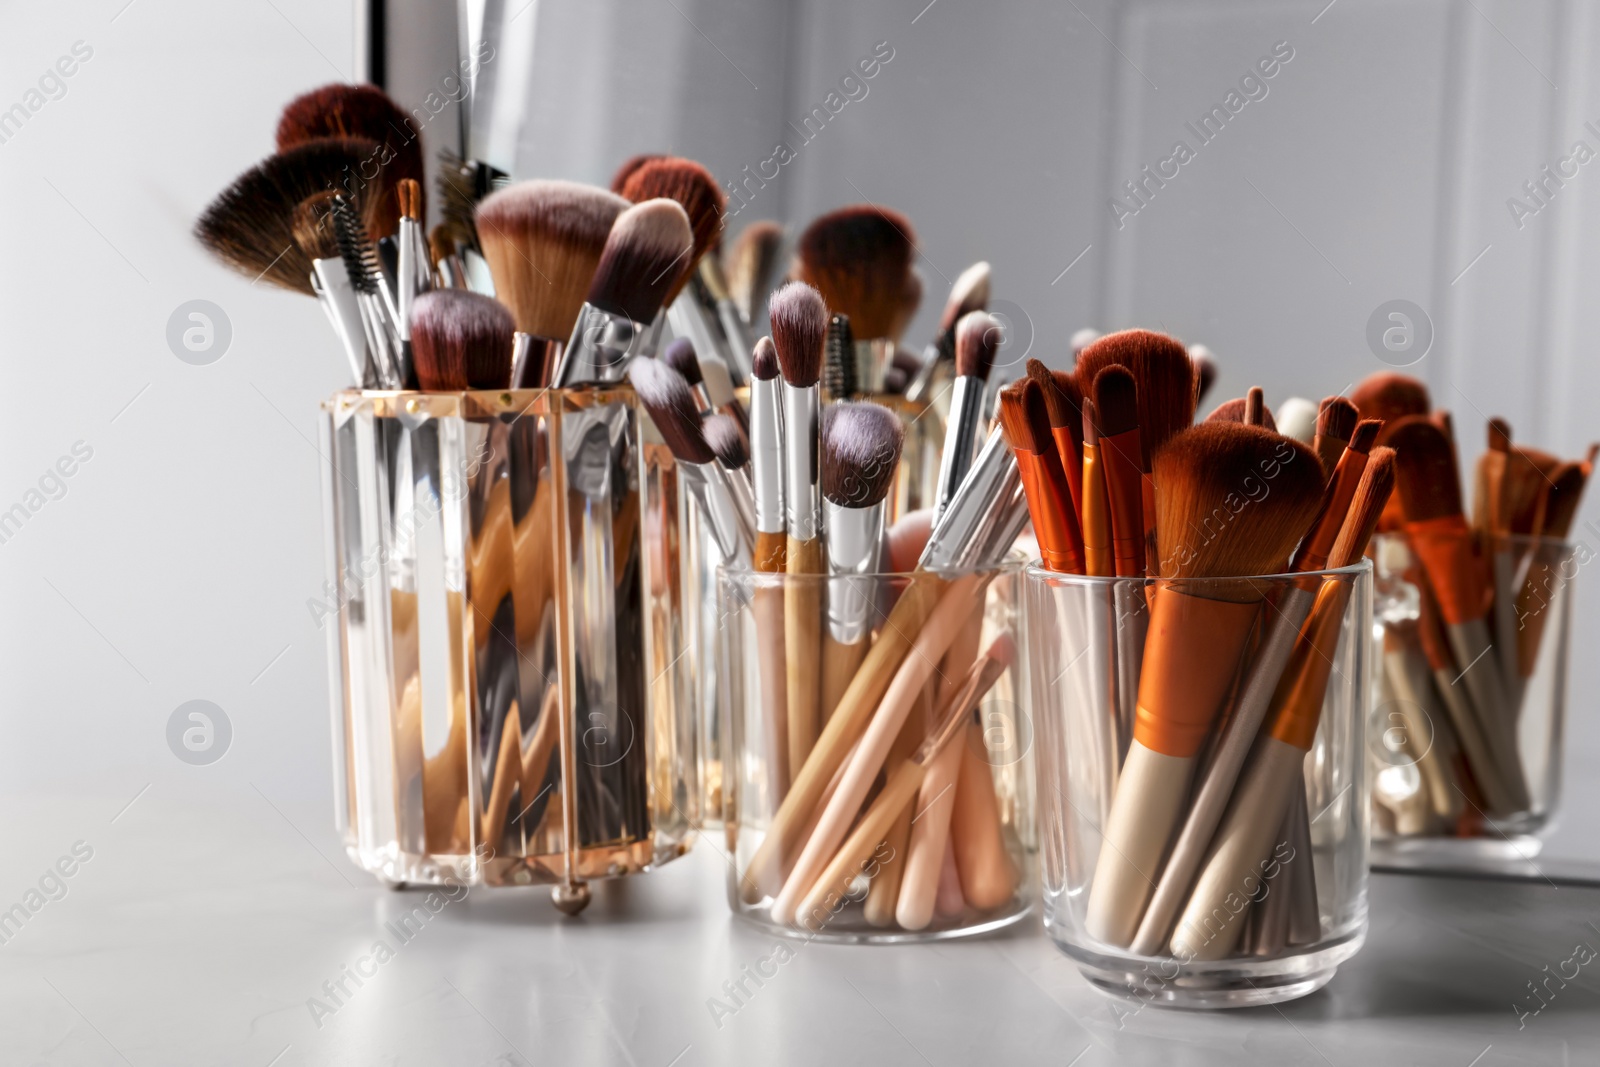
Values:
[(412, 275), (1297, 418), (857, 258), (1082, 339), (680, 356), (618, 320), (250, 225), (1163, 376), (1314, 549), (751, 263), (666, 396), (1097, 555), (1390, 396), (769, 556), (1263, 793), (1205, 369), (1237, 411), (315, 235), (1026, 425), (799, 328), (727, 441), (838, 361), (1064, 407), (372, 296), (629, 167), (969, 293), (445, 259), (543, 241), (1120, 448), (461, 341), (977, 340), (365, 112), (1197, 637), (1336, 421), (860, 454), (1532, 595)]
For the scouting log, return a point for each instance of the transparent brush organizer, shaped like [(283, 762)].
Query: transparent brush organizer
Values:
[(1467, 762), (1275, 897), (984, 820), (504, 639)]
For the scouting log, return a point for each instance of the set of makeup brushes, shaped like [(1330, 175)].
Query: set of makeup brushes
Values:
[(1458, 674), (1199, 692)]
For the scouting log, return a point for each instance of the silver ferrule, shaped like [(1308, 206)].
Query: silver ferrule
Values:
[(922, 381), (855, 543), (802, 461), (739, 343), (602, 346), (766, 454), (744, 500), (521, 345), (690, 318), (978, 513), (960, 439), (710, 488), (872, 359), (406, 276), (380, 342), (338, 298)]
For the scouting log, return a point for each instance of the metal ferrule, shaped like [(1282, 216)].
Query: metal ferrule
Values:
[(960, 439), (917, 388), (338, 298), (602, 346), (521, 344), (406, 277), (979, 514), (744, 500), (739, 343), (872, 358), (766, 454), (380, 342), (802, 463), (855, 543), (712, 492), (690, 318)]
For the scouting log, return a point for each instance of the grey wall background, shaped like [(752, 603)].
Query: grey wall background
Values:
[(178, 563)]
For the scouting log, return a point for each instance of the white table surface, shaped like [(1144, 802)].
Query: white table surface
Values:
[(201, 927)]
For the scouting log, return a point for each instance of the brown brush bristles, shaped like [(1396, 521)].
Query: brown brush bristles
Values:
[(978, 338), (910, 301), (969, 293), (629, 167), (1430, 485), (1372, 493), (1255, 407), (1163, 372), (1061, 402), (1205, 369), (1024, 419), (461, 340), (679, 355), (1116, 401), (695, 190), (799, 329), (542, 241), (668, 399), (313, 226), (1527, 478), (1337, 418), (646, 253), (1365, 435), (860, 453), (365, 112), (1390, 396), (750, 262), (857, 258), (1562, 499), (723, 435), (408, 194), (441, 244), (1202, 473), (1499, 435), (1091, 423), (1236, 410), (764, 361)]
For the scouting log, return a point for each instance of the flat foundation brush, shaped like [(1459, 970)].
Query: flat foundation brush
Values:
[(858, 259), (1336, 422), (1026, 425), (1064, 406)]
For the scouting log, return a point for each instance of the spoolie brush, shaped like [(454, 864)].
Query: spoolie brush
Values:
[(461, 340), (367, 113), (858, 258), (838, 361)]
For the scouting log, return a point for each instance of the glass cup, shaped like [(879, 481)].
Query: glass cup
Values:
[(1201, 769), (502, 638), (901, 807), (1466, 744)]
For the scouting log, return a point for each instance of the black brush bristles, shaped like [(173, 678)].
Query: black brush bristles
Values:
[(354, 248), (649, 247), (857, 258), (670, 402), (461, 340), (839, 360), (250, 225), (727, 441), (764, 361), (365, 112), (978, 338), (679, 355), (1116, 400), (799, 330), (860, 454)]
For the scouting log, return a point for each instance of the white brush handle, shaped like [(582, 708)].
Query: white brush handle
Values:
[(1147, 808)]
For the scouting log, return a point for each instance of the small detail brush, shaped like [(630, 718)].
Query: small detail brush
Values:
[(969, 293), (977, 340)]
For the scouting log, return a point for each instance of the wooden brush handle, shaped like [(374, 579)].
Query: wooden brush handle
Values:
[(780, 845), (802, 640), (855, 856), (839, 665), (767, 605), (1148, 807), (930, 839), (883, 894), (988, 877)]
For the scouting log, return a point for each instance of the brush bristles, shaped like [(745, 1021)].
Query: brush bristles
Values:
[(1430, 486), (1337, 419), (250, 225), (1237, 410), (461, 340), (1255, 407), (457, 184), (1205, 371), (314, 231), (722, 434), (750, 263), (764, 361), (679, 355), (1390, 397), (630, 166), (1163, 372), (1365, 435), (542, 241), (1372, 493), (367, 113), (1203, 473), (860, 454), (978, 338), (969, 293), (441, 244), (648, 250), (1499, 435), (799, 330), (857, 258), (408, 195), (1023, 417), (360, 258), (667, 397), (692, 186), (1116, 401), (1062, 407), (839, 360)]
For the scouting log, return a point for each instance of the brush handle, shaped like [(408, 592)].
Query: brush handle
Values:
[(930, 840), (1305, 911), (1406, 671), (802, 641), (1480, 674), (1502, 570), (1098, 559), (1474, 744), (884, 893), (856, 855), (849, 719), (950, 903), (840, 662), (1147, 808), (988, 877), (766, 605)]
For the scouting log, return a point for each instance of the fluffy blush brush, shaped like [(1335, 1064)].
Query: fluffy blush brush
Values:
[(460, 340), (858, 259)]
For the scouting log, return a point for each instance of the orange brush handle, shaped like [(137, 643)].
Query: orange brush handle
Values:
[(1191, 652), (1455, 570), (1298, 698), (1120, 455), (1096, 516), (1050, 506), (1071, 464), (1312, 555)]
